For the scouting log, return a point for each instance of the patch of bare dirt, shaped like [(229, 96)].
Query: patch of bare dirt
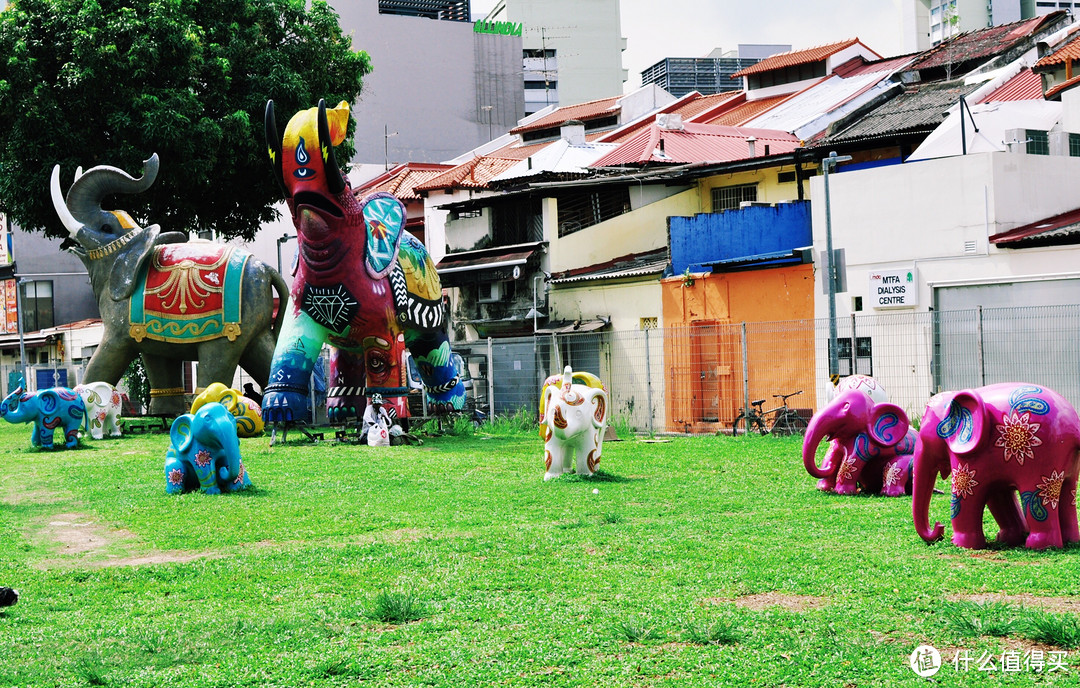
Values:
[(1049, 604), (765, 600)]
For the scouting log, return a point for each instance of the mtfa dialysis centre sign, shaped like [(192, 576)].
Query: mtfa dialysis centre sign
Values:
[(894, 288)]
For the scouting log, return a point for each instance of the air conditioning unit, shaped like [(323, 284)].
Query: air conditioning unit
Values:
[(490, 292)]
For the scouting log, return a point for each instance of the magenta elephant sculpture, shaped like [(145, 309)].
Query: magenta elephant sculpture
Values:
[(872, 389), (873, 444), (997, 441)]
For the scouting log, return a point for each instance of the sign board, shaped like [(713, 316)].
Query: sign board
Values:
[(499, 28), (894, 288), (11, 311)]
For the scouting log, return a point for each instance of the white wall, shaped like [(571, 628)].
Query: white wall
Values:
[(921, 215)]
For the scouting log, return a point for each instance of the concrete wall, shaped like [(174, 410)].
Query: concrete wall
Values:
[(626, 303), (936, 216), (429, 83)]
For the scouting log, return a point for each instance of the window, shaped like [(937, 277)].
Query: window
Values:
[(37, 303), (864, 363), (1038, 142), (461, 214), (1074, 145), (731, 197), (649, 323), (541, 85), (585, 209)]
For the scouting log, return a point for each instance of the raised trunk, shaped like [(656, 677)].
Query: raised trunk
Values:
[(924, 472), (815, 432)]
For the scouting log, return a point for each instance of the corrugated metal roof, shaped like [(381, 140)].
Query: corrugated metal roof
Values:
[(1065, 225), (558, 157), (632, 265), (1027, 85), (796, 57), (605, 107), (733, 113), (698, 143), (815, 101), (917, 110), (688, 106), (983, 44)]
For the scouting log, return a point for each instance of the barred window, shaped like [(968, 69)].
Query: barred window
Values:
[(585, 209), (731, 197), (1038, 142)]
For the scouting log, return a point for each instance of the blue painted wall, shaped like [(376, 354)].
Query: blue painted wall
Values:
[(734, 234)]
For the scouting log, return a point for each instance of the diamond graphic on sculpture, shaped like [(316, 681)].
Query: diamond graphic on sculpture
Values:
[(332, 307)]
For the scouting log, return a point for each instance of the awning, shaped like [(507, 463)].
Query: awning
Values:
[(30, 340), (491, 264), (1059, 230), (635, 265), (576, 327), (796, 256)]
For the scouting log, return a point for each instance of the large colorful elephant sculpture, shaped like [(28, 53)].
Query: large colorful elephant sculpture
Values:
[(47, 409), (997, 441), (574, 420), (249, 422), (204, 453), (875, 443), (103, 407), (165, 298), (361, 280)]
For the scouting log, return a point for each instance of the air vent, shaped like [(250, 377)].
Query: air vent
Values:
[(971, 247)]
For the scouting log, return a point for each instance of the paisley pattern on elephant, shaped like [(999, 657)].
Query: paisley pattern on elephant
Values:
[(574, 418), (47, 409), (360, 279), (103, 407)]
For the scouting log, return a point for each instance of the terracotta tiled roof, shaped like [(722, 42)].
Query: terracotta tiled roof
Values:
[(698, 143), (474, 174), (982, 44), (1027, 85), (741, 112), (1069, 51), (1063, 86), (593, 109), (796, 57), (403, 180)]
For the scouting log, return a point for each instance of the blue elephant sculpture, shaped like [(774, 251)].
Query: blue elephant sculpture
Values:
[(48, 409), (204, 453)]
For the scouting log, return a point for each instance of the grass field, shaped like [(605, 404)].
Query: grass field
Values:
[(707, 561)]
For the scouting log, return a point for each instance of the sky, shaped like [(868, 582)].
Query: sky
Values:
[(655, 29)]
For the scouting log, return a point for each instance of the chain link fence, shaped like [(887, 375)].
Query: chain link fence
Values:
[(697, 378)]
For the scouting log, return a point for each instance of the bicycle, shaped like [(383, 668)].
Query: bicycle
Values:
[(781, 420)]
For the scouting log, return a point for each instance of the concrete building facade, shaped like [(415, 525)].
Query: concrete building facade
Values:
[(928, 22)]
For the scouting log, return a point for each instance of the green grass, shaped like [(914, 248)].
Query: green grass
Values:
[(697, 562)]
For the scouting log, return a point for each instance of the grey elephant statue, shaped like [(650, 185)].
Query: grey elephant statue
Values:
[(166, 298), (47, 409)]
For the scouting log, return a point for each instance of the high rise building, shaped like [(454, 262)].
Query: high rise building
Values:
[(928, 22), (572, 50), (707, 75)]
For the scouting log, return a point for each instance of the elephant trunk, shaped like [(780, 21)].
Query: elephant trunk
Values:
[(81, 209), (9, 409), (218, 427), (815, 433), (924, 476)]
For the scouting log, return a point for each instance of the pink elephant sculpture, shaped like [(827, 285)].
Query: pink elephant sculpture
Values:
[(874, 444), (574, 417), (871, 388), (997, 441)]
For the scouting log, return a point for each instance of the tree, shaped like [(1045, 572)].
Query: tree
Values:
[(91, 82)]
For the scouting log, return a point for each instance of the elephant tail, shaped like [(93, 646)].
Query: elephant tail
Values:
[(282, 290)]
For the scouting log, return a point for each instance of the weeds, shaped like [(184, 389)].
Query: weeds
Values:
[(91, 669), (396, 607), (634, 632), (985, 618), (715, 633), (1062, 630)]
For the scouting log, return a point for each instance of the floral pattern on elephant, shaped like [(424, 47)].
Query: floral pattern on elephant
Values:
[(204, 453), (1018, 437), (1050, 489)]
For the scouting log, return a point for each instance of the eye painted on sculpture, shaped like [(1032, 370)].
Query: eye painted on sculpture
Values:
[(304, 173), (378, 365)]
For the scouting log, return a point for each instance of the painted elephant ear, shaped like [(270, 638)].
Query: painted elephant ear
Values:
[(384, 222), (180, 433), (888, 424), (129, 260), (965, 423), (600, 408)]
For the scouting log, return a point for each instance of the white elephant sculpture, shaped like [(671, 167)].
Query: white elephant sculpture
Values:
[(574, 419), (103, 405)]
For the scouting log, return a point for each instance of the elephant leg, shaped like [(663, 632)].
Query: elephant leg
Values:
[(176, 474), (555, 455), (71, 435), (110, 360), (833, 457), (166, 377), (257, 358), (587, 452), (968, 521), (112, 423), (285, 396), (1070, 532), (1005, 508), (848, 474), (431, 351), (345, 398), (217, 363), (44, 435), (1041, 511)]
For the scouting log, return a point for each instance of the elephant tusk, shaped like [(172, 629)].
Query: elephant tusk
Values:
[(70, 223)]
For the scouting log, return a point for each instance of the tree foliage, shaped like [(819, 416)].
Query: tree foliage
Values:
[(91, 82)]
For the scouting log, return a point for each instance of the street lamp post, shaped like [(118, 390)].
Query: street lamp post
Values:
[(280, 241), (834, 355)]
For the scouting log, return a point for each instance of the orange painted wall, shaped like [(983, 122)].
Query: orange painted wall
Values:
[(703, 343)]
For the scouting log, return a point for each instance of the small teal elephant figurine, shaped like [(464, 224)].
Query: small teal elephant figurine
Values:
[(48, 409), (204, 453)]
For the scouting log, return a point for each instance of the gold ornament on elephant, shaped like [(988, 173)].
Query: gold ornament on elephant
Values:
[(186, 282)]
